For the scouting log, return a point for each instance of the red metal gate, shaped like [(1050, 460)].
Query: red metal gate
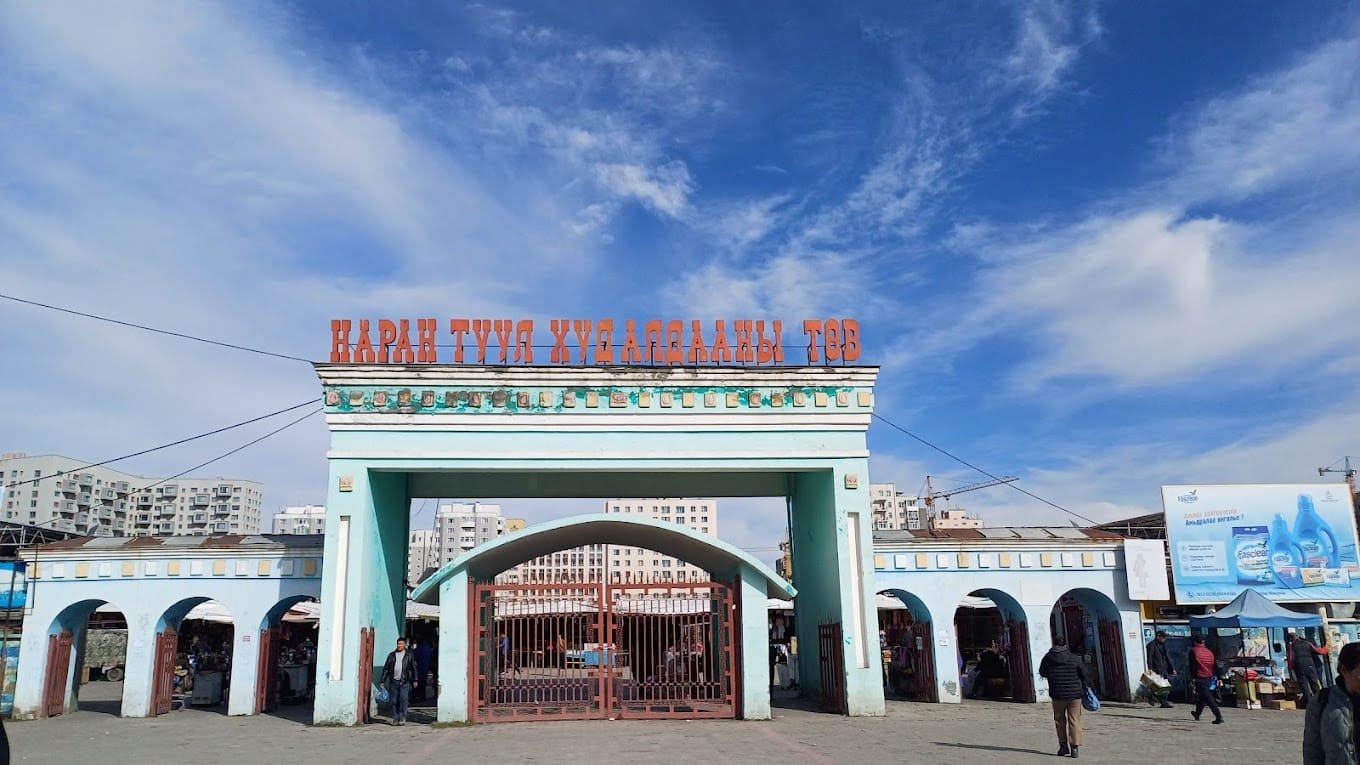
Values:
[(923, 662), (163, 677), (571, 651), (1021, 670), (1116, 685), (267, 677), (365, 673), (58, 674), (831, 657)]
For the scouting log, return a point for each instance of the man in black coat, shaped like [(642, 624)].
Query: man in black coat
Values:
[(1066, 687), (399, 675), (1159, 661)]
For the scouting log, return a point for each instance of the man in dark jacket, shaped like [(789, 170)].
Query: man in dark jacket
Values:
[(1303, 665), (399, 675), (1329, 724), (1202, 672), (1066, 686), (1159, 661)]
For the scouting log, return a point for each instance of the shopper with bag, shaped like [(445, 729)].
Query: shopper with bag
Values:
[(1159, 662), (399, 675), (1067, 686)]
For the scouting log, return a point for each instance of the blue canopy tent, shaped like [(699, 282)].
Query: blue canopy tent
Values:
[(1252, 609)]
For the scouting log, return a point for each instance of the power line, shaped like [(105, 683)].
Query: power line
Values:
[(156, 330), (61, 473), (963, 461), (247, 445)]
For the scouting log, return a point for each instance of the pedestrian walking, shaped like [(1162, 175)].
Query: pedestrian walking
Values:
[(1159, 661), (1067, 684), (1204, 675), (399, 675), (1329, 724), (1303, 665)]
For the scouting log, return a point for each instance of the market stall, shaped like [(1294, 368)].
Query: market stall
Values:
[(1254, 679)]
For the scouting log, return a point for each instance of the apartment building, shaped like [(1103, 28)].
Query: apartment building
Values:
[(618, 564), (894, 510), (60, 493), (300, 519), (422, 555), (956, 519)]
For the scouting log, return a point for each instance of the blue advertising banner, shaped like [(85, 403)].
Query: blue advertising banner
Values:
[(1289, 542), (13, 584)]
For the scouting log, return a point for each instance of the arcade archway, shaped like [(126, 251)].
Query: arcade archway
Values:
[(591, 649), (908, 636), (1090, 623), (399, 433), (86, 656), (194, 641), (993, 645)]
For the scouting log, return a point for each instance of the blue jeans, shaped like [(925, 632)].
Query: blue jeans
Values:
[(401, 699)]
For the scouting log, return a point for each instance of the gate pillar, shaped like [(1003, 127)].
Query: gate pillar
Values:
[(833, 572), (754, 661), (363, 583), (455, 648)]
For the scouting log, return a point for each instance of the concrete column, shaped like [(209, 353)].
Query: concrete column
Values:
[(245, 662), (755, 646), (833, 571), (1040, 641), (29, 684), (454, 632), (140, 663), (348, 525), (948, 682)]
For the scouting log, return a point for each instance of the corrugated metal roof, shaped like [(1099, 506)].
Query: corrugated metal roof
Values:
[(1001, 533)]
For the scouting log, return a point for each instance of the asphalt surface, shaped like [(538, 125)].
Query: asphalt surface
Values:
[(975, 732)]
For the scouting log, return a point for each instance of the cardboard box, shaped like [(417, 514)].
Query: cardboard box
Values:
[(1266, 689), (1281, 704)]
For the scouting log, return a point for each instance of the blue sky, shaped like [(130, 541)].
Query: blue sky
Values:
[(1100, 246)]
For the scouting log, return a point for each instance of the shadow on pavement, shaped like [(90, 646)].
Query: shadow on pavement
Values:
[(993, 748)]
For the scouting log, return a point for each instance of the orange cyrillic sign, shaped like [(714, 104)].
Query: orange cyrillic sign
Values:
[(585, 342)]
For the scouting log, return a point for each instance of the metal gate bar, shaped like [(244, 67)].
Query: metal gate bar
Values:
[(586, 650), (831, 656)]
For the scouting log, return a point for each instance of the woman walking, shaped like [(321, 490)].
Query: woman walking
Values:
[(1066, 686)]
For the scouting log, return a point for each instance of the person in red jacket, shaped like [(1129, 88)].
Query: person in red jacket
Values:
[(1202, 671)]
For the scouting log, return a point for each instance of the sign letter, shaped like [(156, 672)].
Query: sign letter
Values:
[(813, 329), (458, 328), (340, 341)]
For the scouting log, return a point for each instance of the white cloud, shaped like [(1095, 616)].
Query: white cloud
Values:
[(1047, 47), (664, 188)]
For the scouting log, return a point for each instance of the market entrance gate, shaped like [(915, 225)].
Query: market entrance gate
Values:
[(649, 651), (400, 433)]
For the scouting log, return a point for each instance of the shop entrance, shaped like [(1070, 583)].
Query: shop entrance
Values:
[(1090, 623), (909, 650), (596, 651), (86, 660), (993, 640)]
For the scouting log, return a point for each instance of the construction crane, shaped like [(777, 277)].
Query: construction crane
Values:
[(1346, 472), (931, 495)]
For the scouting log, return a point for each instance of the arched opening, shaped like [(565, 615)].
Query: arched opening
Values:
[(909, 654), (1089, 621), (993, 646), (195, 639), (549, 644), (286, 675), (86, 660)]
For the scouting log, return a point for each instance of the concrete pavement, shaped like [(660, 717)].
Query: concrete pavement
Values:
[(973, 733)]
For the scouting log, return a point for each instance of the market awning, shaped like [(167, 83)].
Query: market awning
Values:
[(1252, 609)]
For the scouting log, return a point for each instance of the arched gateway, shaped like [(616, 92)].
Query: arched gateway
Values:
[(695, 649), (399, 432)]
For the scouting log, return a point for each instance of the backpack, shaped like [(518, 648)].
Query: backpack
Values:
[(1321, 698)]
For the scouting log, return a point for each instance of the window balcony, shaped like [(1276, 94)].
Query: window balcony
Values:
[(122, 487), (198, 518), (85, 479), (221, 528), (169, 491), (107, 493), (164, 510), (221, 509), (69, 487), (166, 528), (222, 491), (200, 500)]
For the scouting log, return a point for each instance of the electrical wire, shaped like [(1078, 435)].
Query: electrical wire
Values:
[(156, 330), (242, 447), (963, 461), (252, 420)]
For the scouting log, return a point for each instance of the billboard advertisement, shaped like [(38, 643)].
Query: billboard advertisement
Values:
[(1289, 542)]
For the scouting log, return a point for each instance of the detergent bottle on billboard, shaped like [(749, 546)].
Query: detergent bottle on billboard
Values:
[(1315, 537), (1286, 556), (1251, 555)]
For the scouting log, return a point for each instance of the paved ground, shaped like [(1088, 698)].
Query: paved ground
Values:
[(977, 732)]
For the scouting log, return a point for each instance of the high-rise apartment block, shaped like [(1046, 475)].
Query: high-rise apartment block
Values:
[(300, 519), (893, 510), (60, 493), (458, 527), (617, 564), (423, 554)]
